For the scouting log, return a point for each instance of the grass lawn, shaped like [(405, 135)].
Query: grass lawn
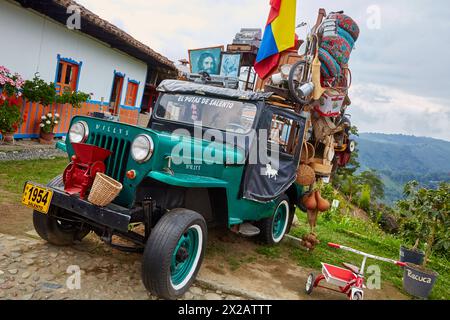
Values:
[(13, 174), (367, 237)]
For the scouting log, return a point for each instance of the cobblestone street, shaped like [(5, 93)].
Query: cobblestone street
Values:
[(32, 269)]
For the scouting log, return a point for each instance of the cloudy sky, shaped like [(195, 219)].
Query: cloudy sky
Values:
[(400, 67)]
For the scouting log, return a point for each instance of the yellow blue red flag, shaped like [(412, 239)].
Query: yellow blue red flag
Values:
[(279, 35)]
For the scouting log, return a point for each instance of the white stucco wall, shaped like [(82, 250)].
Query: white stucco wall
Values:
[(30, 43)]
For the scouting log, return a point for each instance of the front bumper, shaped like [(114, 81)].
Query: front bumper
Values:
[(111, 216)]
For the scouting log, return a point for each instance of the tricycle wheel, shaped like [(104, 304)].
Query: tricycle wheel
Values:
[(274, 228), (53, 228), (174, 253), (310, 283), (357, 295)]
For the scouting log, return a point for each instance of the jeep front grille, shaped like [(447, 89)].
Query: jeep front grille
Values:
[(116, 163)]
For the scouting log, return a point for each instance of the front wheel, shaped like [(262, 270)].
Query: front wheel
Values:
[(57, 228), (174, 253), (310, 283), (274, 228)]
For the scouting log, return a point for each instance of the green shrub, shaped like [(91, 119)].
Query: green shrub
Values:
[(364, 198)]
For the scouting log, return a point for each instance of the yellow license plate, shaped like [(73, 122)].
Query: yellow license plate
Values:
[(36, 197)]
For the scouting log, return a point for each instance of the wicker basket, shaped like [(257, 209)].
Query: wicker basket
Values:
[(104, 190), (308, 153), (305, 175)]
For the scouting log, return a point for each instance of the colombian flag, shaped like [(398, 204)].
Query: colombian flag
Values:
[(279, 35)]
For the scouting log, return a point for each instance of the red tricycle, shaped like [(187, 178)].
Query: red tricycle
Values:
[(349, 280)]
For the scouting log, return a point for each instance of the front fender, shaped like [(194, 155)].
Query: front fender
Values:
[(187, 180), (61, 145)]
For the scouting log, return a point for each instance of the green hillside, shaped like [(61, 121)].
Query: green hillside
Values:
[(400, 158)]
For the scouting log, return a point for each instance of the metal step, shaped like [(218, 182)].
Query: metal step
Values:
[(248, 230)]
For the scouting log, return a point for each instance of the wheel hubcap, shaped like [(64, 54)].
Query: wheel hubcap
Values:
[(184, 256), (279, 221)]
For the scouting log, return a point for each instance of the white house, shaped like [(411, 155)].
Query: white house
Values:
[(97, 58)]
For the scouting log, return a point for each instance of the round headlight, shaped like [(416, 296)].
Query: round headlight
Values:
[(142, 148), (78, 132)]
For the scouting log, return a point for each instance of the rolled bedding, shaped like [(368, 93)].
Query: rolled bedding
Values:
[(335, 51)]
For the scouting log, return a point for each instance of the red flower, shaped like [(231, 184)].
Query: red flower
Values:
[(13, 101)]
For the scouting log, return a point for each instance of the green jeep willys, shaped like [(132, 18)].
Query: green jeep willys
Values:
[(210, 156)]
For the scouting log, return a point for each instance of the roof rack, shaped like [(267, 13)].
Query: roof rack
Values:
[(213, 80)]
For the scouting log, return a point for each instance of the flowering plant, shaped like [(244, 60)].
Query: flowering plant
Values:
[(11, 83), (48, 122), (37, 90), (10, 117)]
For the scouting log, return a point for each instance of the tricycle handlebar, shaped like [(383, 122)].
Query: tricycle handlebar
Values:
[(367, 255), (334, 245)]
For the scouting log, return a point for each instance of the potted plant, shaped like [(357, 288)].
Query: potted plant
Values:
[(74, 98), (48, 123), (425, 219), (10, 84), (10, 117), (37, 90)]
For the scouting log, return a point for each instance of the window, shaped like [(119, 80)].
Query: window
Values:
[(281, 133), (226, 115), (67, 76), (132, 89)]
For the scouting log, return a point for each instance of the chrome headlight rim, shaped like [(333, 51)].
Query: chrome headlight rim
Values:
[(85, 134), (151, 147)]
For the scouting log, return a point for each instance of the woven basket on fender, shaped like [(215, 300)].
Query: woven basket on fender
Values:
[(305, 175), (104, 190)]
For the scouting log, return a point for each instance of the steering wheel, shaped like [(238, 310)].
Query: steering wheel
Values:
[(298, 77), (238, 126)]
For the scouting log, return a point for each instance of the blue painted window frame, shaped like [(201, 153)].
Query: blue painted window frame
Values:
[(122, 75), (59, 58)]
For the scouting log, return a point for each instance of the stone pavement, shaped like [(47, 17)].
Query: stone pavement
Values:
[(28, 150), (33, 269)]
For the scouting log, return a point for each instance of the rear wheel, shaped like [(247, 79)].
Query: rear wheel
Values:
[(274, 228), (310, 283), (174, 253), (57, 228)]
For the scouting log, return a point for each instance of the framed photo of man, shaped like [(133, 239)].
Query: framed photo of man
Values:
[(205, 60), (230, 65)]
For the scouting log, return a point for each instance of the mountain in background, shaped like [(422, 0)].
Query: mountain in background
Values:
[(401, 158)]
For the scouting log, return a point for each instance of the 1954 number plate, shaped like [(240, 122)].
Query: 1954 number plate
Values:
[(37, 197)]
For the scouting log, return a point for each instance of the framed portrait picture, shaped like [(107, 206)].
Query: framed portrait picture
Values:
[(230, 65), (206, 60)]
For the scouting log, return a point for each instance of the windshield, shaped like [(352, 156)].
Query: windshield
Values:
[(221, 114)]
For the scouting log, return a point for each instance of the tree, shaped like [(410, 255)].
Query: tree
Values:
[(373, 180), (425, 215)]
